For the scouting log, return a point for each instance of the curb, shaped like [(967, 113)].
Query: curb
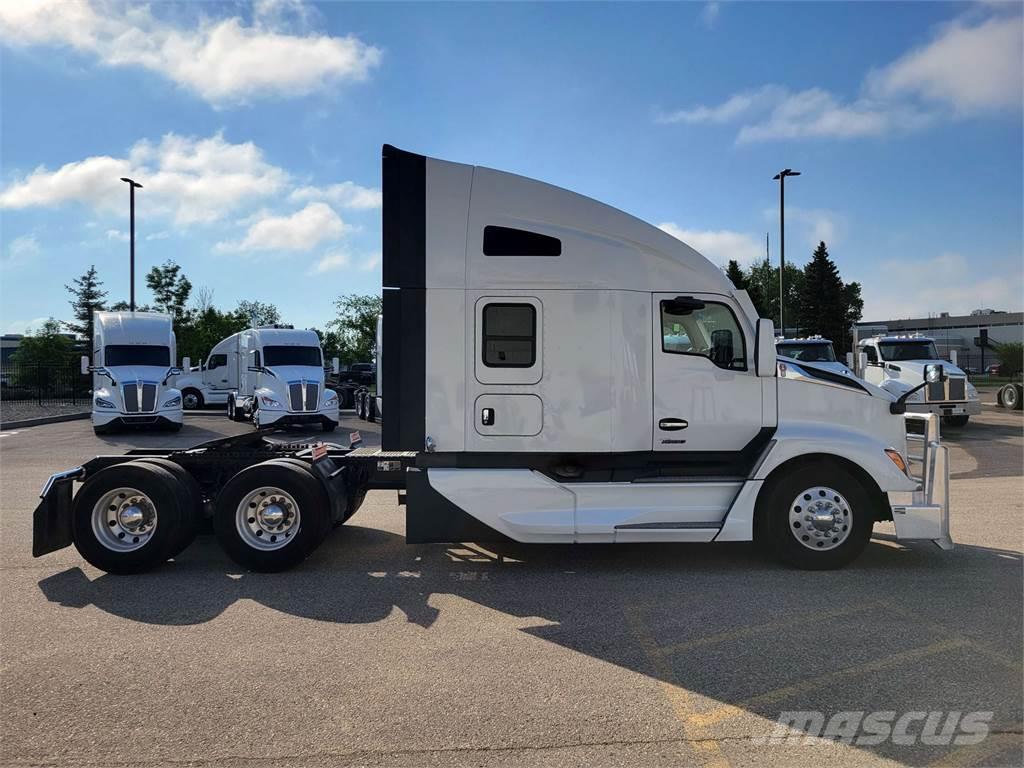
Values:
[(43, 420)]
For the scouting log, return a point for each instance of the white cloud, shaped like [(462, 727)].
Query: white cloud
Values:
[(116, 234), (158, 236), (301, 231), (20, 250), (347, 194), (25, 327), (945, 283), (810, 226), (224, 61), (190, 179), (969, 68), (965, 70), (709, 15), (370, 263), (719, 246), (330, 262)]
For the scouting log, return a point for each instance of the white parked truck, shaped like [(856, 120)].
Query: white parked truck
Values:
[(812, 350), (132, 367), (271, 375), (557, 371), (897, 364)]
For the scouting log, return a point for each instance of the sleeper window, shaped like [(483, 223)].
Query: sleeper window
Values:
[(509, 335), (710, 332)]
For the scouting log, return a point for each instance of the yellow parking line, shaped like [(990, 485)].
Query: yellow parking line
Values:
[(809, 684), (679, 698), (736, 634), (980, 754)]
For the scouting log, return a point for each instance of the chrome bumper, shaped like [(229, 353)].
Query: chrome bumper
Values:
[(923, 514)]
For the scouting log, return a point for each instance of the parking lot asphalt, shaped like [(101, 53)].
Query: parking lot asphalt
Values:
[(375, 652)]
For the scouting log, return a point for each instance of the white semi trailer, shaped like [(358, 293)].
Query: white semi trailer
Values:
[(509, 417), (132, 367), (898, 365)]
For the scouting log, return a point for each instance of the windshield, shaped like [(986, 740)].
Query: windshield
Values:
[(908, 350), (292, 356), (136, 354), (808, 353)]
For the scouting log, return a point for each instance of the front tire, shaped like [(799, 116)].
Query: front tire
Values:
[(1010, 397), (956, 421), (329, 426), (271, 516), (192, 400), (127, 518), (818, 516)]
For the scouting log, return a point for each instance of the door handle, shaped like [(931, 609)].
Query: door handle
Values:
[(673, 425), (487, 417)]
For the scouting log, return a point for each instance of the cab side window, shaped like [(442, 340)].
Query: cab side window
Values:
[(872, 354), (216, 361), (509, 335), (711, 331)]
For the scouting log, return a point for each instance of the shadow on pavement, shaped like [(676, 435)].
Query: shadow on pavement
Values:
[(719, 621)]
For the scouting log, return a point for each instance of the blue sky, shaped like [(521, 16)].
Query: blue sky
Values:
[(256, 132)]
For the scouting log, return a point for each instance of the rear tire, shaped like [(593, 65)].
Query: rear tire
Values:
[(127, 518), (817, 516), (1010, 397), (271, 516), (190, 499)]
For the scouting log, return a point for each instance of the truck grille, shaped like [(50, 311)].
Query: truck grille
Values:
[(944, 391), (303, 395), (140, 397), (957, 389)]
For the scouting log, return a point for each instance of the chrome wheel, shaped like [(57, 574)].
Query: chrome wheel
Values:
[(190, 400), (820, 518), (267, 518), (124, 520)]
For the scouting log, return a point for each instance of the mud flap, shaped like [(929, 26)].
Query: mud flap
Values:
[(51, 522)]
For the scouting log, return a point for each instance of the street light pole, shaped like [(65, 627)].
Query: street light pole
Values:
[(781, 178), (131, 206)]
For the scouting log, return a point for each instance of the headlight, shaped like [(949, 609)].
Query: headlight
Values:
[(331, 399), (972, 391), (101, 403), (174, 402), (269, 402)]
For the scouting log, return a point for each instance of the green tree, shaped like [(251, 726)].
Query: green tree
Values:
[(86, 298), (827, 306), (1011, 358), (258, 313), (762, 283), (356, 325), (123, 306), (38, 352), (735, 274), (170, 288), (201, 328)]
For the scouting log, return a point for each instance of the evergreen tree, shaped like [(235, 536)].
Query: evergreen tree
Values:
[(87, 297), (735, 274), (823, 308), (170, 288)]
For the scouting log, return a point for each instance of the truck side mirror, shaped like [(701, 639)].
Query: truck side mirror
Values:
[(335, 366), (85, 364), (764, 348), (186, 363)]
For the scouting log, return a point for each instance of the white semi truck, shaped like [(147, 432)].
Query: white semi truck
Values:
[(271, 375), (812, 350), (510, 418), (132, 367), (276, 363), (898, 363)]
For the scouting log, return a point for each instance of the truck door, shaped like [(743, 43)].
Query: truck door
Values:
[(707, 396)]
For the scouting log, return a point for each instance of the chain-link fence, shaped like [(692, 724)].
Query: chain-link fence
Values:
[(44, 384)]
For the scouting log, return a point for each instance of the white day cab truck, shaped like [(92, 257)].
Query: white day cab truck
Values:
[(133, 367), (271, 375), (898, 365), (812, 350), (510, 419)]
